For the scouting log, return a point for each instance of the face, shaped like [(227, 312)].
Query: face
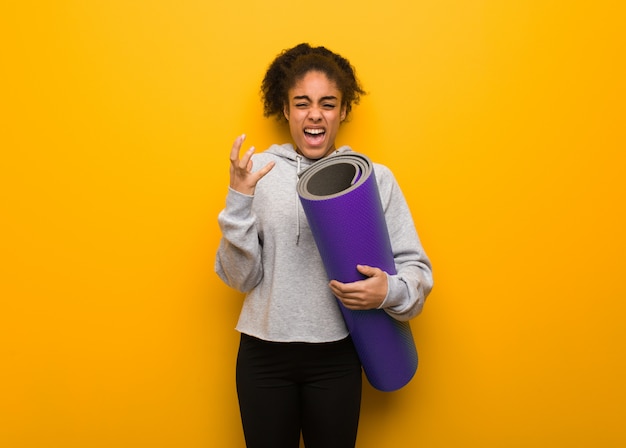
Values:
[(314, 111)]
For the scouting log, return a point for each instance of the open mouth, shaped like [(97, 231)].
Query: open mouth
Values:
[(314, 135)]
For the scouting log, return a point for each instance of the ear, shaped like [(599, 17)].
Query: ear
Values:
[(344, 112), (286, 111)]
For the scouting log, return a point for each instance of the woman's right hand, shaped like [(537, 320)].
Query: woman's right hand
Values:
[(242, 179)]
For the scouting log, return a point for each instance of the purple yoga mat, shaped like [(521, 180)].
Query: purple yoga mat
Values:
[(340, 198)]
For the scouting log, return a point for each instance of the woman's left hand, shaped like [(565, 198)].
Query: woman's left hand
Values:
[(364, 294)]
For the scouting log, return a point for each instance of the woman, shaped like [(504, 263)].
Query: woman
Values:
[(297, 369)]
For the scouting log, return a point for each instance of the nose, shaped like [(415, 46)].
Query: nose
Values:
[(315, 114)]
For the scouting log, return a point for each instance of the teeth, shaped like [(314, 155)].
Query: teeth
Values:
[(314, 131)]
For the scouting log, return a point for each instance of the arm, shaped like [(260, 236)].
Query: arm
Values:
[(401, 295), (238, 261)]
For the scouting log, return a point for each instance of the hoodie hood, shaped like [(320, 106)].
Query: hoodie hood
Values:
[(288, 153)]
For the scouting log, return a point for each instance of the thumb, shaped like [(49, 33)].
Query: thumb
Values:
[(368, 271)]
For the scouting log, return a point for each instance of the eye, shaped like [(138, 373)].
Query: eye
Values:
[(328, 106)]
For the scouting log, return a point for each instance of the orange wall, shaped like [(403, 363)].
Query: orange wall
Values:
[(503, 121)]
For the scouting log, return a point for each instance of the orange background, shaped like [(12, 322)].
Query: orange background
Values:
[(504, 124)]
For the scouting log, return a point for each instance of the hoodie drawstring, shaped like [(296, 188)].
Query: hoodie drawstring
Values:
[(298, 159)]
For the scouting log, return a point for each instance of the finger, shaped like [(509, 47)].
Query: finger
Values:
[(346, 294), (353, 304), (236, 148), (348, 287), (337, 287), (246, 160), (266, 169)]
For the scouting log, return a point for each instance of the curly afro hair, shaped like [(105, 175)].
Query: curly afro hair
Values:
[(294, 63)]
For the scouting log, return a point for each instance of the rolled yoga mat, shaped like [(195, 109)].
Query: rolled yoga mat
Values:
[(342, 204)]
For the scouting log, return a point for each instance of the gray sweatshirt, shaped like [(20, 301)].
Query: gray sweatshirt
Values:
[(268, 252)]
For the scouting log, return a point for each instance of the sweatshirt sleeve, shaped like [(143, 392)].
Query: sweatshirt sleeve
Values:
[(409, 287), (238, 260)]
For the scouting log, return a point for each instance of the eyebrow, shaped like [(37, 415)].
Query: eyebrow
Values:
[(306, 97)]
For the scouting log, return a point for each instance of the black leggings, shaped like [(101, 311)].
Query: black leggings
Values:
[(286, 388)]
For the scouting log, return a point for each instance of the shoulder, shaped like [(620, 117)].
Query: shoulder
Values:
[(384, 176), (388, 187), (383, 171), (276, 153)]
